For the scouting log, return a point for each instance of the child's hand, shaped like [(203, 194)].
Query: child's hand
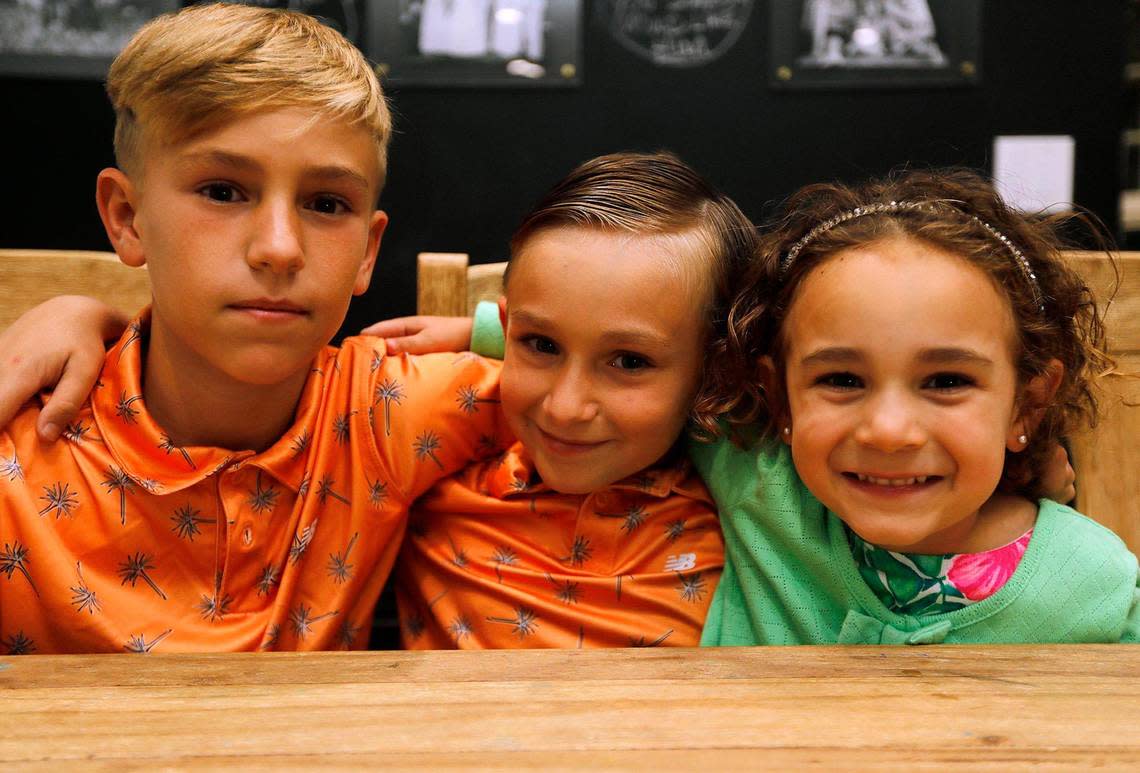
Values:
[(58, 343), (421, 335), (1058, 481)]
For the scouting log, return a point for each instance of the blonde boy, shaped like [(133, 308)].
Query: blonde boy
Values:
[(233, 483)]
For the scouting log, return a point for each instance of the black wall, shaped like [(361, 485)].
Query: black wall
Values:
[(466, 164)]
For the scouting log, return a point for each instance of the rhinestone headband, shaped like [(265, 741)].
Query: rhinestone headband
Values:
[(899, 206)]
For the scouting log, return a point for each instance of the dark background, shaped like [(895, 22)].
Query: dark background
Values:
[(467, 163)]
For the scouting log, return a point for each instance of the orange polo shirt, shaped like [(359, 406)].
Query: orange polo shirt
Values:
[(115, 540), (495, 559)]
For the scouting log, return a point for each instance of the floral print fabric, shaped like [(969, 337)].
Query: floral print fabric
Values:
[(916, 584)]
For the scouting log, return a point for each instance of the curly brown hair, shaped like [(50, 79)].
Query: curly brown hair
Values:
[(1060, 321), (657, 193)]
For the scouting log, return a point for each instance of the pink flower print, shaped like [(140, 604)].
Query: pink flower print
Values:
[(980, 575)]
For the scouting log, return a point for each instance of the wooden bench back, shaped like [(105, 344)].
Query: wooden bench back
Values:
[(1107, 458), (29, 277)]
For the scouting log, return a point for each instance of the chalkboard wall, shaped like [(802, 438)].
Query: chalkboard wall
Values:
[(467, 163)]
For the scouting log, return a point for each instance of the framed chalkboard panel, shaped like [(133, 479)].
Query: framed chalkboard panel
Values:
[(476, 42), (676, 33), (874, 43)]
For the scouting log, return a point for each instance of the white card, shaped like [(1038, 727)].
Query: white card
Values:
[(1035, 172)]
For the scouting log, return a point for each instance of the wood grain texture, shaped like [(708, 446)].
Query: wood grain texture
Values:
[(1107, 458), (441, 283), (484, 283), (833, 707), (29, 277)]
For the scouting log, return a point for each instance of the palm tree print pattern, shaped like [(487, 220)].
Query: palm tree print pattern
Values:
[(267, 579), (377, 493), (693, 587), (339, 568), (19, 644), (77, 432), (118, 480), (468, 399), (301, 542), (565, 591), (460, 628), (186, 520), (262, 500), (503, 556), (633, 517), (302, 620), (138, 644), (215, 607), (389, 391), (640, 642), (325, 490), (14, 558), (341, 426), (580, 552), (83, 597), (301, 443), (135, 568), (523, 624), (60, 499), (167, 445), (124, 409), (425, 446), (11, 469)]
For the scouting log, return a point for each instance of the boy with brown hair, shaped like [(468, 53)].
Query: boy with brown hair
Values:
[(233, 483)]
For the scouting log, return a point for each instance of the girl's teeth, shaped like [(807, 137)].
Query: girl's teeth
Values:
[(894, 482)]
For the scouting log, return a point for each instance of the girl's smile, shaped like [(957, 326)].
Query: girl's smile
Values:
[(902, 390)]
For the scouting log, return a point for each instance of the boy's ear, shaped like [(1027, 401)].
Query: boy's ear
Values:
[(117, 200), (503, 313), (376, 226), (1035, 398)]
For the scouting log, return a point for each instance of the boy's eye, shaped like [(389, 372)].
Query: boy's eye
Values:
[(221, 192), (840, 381), (947, 381), (630, 361), (540, 344), (329, 205)]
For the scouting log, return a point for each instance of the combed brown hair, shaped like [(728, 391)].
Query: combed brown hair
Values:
[(657, 193), (1069, 329), (190, 71)]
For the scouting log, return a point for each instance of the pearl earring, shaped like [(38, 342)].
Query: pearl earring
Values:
[(1023, 440), (787, 431)]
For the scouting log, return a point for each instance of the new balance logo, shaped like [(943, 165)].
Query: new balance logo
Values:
[(680, 563)]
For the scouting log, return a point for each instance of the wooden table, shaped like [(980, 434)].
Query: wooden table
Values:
[(911, 708)]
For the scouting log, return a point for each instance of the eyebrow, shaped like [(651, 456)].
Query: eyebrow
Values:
[(329, 173), (941, 355), (628, 337)]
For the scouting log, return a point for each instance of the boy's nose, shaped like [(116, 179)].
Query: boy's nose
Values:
[(890, 423), (569, 399), (276, 243)]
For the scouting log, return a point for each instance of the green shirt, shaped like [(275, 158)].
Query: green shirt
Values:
[(790, 578)]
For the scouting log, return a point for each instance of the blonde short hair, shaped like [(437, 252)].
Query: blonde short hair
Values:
[(190, 71)]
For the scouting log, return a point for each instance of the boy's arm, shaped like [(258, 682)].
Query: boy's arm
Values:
[(482, 333), (56, 344)]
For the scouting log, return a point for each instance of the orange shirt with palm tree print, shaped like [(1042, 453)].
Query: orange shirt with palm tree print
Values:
[(114, 539), (495, 559)]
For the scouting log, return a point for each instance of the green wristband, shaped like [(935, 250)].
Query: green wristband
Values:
[(487, 331)]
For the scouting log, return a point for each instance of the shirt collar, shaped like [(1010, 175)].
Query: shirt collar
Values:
[(515, 475), (144, 452)]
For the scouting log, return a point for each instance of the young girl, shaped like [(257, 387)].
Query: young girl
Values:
[(921, 348), (591, 529)]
